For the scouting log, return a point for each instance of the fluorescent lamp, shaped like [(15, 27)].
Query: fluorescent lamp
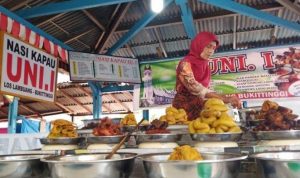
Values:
[(157, 5)]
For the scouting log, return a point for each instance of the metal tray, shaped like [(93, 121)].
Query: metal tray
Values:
[(105, 139), (276, 135), (168, 137), (61, 141), (217, 137)]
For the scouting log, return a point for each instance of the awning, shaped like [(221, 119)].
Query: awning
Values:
[(22, 32)]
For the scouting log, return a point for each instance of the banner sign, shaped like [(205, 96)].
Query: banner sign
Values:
[(85, 66), (252, 74), (26, 71)]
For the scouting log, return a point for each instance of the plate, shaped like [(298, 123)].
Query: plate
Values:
[(217, 137)]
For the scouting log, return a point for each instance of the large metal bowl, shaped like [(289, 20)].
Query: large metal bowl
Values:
[(91, 165), (276, 135), (217, 137), (278, 164), (214, 165), (131, 128), (61, 141), (23, 166), (168, 137)]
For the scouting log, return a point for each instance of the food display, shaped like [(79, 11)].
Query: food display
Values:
[(62, 128), (214, 119), (185, 152), (129, 120), (107, 128), (174, 116), (275, 117), (157, 127)]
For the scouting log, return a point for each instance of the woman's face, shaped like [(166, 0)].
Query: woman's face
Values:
[(209, 50)]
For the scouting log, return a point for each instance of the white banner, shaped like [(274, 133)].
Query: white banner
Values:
[(85, 66), (26, 71)]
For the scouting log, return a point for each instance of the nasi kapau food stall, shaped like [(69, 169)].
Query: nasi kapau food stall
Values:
[(260, 140)]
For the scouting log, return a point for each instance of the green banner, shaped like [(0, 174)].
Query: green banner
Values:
[(252, 74)]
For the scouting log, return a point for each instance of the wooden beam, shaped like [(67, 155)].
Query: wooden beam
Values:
[(3, 112), (78, 36), (130, 51), (75, 101), (90, 95), (158, 36), (93, 19), (234, 32), (28, 108), (6, 111), (49, 19), (119, 102), (19, 5), (276, 28), (46, 114), (290, 6), (59, 27), (64, 108), (112, 26)]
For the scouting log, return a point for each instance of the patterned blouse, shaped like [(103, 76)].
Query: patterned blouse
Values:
[(190, 93)]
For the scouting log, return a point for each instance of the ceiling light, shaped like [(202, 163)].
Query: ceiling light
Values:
[(157, 5)]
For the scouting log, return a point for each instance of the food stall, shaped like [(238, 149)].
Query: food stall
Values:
[(221, 142)]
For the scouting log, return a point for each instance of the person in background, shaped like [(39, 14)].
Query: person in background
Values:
[(193, 77)]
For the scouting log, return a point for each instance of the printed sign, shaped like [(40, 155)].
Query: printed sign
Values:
[(84, 66), (26, 71), (252, 74)]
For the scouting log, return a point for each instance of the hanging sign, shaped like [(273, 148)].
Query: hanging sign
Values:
[(85, 66), (26, 71)]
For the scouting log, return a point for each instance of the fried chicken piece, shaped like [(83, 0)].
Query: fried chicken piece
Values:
[(284, 110), (267, 105)]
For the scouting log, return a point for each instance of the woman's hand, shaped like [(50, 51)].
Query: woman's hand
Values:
[(234, 101)]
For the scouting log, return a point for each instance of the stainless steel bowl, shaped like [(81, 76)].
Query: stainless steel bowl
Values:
[(214, 165), (61, 141), (278, 164), (217, 137), (180, 129), (168, 137), (105, 139), (91, 165), (22, 166), (276, 135)]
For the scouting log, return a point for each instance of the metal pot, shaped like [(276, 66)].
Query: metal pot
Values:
[(278, 164), (167, 137), (214, 165), (22, 166), (91, 166)]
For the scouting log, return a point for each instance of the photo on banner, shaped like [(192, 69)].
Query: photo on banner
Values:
[(251, 74)]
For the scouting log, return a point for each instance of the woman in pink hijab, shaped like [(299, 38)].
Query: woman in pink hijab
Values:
[(193, 77)]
